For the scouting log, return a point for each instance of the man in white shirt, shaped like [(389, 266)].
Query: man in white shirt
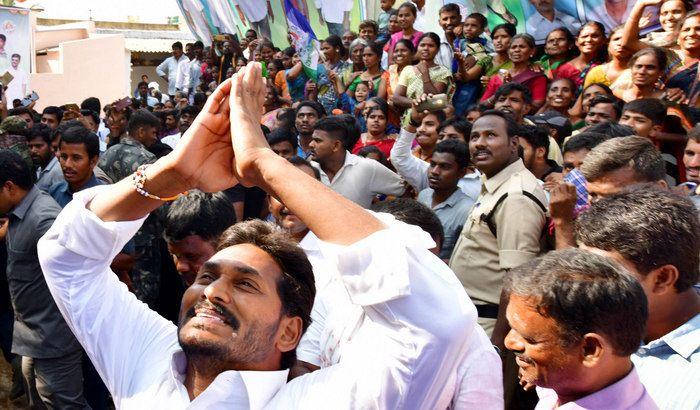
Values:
[(247, 308), (335, 14), (356, 178), (17, 88), (170, 67), (546, 18)]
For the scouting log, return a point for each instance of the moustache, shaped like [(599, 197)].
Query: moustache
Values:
[(229, 318)]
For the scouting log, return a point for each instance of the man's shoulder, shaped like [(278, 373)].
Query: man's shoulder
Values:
[(524, 183), (44, 207)]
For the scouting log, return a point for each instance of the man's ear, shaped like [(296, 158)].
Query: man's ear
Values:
[(663, 279), (540, 152), (289, 333), (593, 348)]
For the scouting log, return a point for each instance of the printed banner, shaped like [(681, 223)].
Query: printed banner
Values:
[(15, 43)]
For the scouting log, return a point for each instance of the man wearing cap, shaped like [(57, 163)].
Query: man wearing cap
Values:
[(559, 126), (13, 136)]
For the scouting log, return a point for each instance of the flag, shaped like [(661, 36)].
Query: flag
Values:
[(303, 39)]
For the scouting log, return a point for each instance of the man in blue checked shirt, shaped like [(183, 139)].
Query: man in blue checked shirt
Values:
[(655, 234)]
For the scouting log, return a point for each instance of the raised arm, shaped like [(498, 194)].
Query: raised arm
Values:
[(630, 34)]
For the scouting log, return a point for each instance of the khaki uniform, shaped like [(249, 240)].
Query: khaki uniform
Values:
[(480, 259)]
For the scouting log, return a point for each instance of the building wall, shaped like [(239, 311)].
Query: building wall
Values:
[(90, 67)]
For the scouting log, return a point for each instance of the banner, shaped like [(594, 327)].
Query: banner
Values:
[(209, 17), (303, 38), (15, 56)]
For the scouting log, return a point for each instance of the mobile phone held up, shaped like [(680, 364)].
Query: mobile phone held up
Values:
[(435, 103)]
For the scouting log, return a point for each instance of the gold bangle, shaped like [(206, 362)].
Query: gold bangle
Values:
[(139, 179)]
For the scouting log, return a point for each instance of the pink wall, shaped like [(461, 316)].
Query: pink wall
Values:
[(91, 67)]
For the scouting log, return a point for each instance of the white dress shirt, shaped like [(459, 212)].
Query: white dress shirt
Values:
[(403, 357), (361, 179), (539, 27), (336, 322), (171, 140), (415, 171), (170, 68), (333, 11)]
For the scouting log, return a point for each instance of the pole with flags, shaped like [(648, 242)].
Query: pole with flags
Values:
[(303, 39)]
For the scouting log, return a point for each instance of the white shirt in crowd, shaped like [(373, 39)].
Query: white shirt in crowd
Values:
[(17, 88), (420, 23), (404, 357), (361, 179), (170, 68), (539, 27), (415, 171), (333, 11), (171, 140), (102, 133), (336, 322)]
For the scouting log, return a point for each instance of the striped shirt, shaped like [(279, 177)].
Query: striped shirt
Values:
[(669, 367)]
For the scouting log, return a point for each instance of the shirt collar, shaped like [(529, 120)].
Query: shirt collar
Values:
[(260, 386), (456, 196), (21, 209), (128, 140), (493, 183), (52, 163), (684, 340)]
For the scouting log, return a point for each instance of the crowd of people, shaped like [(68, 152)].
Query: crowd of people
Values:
[(533, 240)]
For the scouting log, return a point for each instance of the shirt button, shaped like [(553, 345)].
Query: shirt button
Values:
[(642, 351)]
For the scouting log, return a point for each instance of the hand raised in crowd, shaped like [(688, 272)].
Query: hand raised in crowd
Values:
[(246, 102), (675, 95), (203, 159), (562, 201), (416, 114), (552, 180)]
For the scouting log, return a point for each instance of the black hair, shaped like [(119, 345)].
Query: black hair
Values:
[(290, 51), (657, 52), (440, 114), (282, 135), (512, 126), (299, 161), (507, 27), (432, 36), (607, 99), (583, 293), (82, 135), (13, 168), (177, 45), (457, 148), (20, 111), (40, 130), (353, 133), (335, 126), (62, 127), (461, 125), (320, 111), (480, 18), (142, 118), (372, 149), (53, 110), (450, 8), (407, 43), (585, 140), (414, 213), (296, 286), (369, 23), (91, 103), (376, 48), (508, 88), (652, 108), (409, 6), (190, 110), (91, 114), (199, 99), (198, 213), (536, 136), (611, 129), (647, 226), (142, 84), (383, 105)]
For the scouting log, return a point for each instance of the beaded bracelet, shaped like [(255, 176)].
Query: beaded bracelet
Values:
[(139, 179)]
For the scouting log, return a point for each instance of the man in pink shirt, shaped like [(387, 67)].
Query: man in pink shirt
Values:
[(576, 317)]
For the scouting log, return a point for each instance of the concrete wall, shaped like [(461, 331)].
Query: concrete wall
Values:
[(138, 70), (90, 67)]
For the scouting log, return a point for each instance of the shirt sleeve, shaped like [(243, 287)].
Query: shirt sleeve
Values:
[(160, 70), (411, 169), (386, 182), (519, 221), (404, 358), (309, 349), (405, 76), (120, 334)]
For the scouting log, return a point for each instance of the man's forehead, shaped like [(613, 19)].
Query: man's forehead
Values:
[(489, 123), (245, 258)]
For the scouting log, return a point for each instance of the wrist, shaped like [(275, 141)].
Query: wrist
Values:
[(165, 178)]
